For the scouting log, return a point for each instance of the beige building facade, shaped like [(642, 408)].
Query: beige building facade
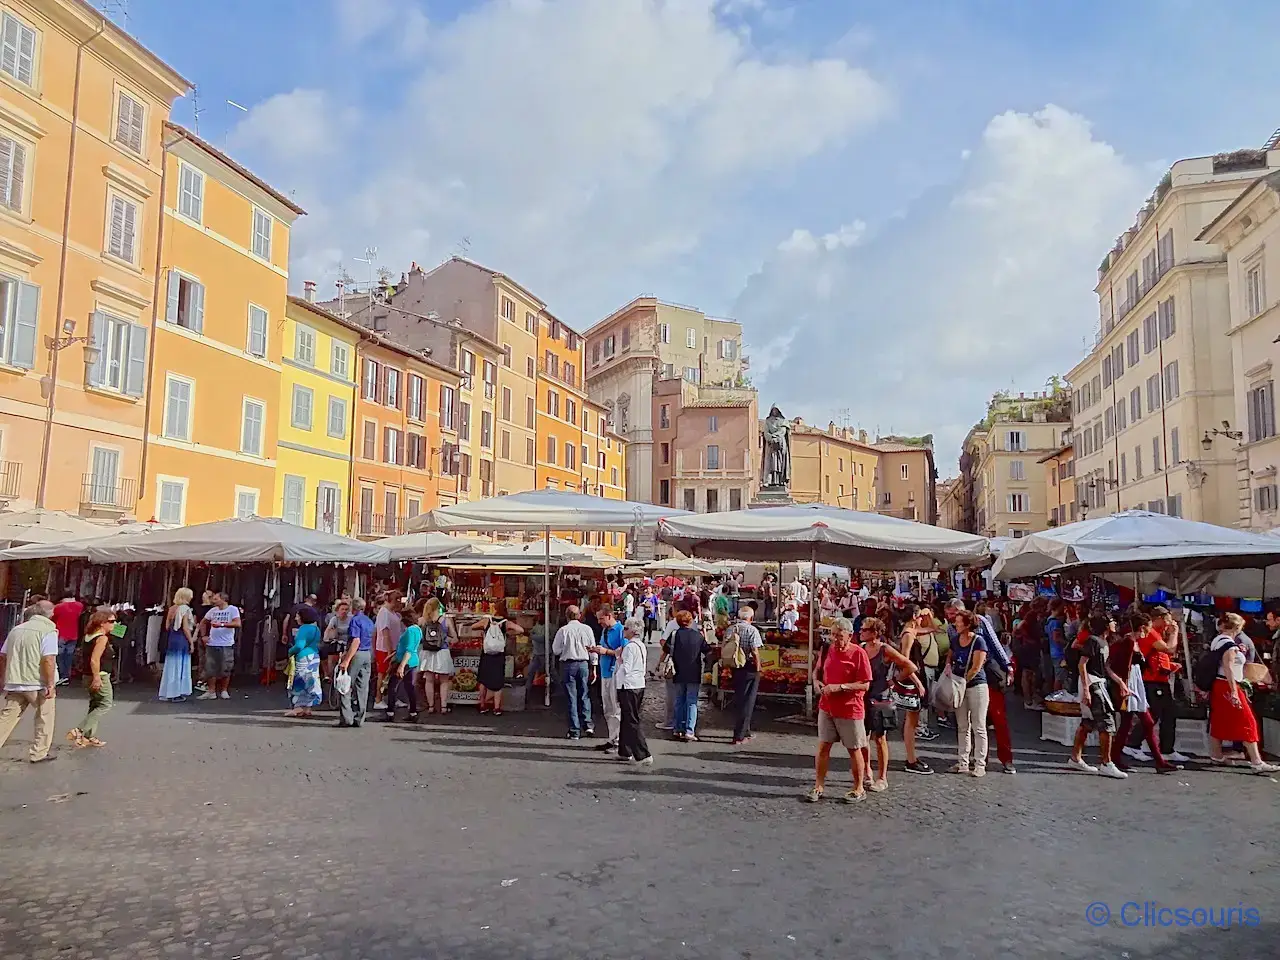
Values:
[(707, 450), (648, 343), (1060, 486), (950, 508), (1001, 476), (836, 466), (1248, 232), (1159, 379), (908, 480)]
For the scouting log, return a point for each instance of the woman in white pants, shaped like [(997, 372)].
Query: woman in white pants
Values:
[(968, 657)]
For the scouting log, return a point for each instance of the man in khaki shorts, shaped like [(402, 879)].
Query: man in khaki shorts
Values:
[(842, 680)]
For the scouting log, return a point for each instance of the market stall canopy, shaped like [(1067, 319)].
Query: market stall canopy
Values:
[(563, 554), (1138, 541), (77, 548), (427, 545), (847, 538), (539, 510), (45, 526), (676, 566), (248, 540), (997, 545)]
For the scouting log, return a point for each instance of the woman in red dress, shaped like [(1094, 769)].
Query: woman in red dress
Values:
[(1230, 716)]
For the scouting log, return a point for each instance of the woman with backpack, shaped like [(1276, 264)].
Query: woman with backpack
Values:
[(492, 673), (437, 662), (404, 667), (1230, 716), (909, 691)]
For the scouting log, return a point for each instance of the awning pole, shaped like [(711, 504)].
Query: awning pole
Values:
[(1186, 643), (813, 594), (546, 619)]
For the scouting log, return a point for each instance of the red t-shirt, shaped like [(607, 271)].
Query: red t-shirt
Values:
[(850, 665), (66, 616), (1159, 664)]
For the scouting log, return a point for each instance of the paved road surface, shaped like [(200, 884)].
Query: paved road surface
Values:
[(221, 830)]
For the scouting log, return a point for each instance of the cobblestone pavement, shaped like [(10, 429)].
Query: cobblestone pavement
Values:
[(223, 830)]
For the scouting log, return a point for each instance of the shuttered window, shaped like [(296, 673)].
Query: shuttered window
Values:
[(13, 173), (17, 49), (122, 230), (191, 193), (130, 123)]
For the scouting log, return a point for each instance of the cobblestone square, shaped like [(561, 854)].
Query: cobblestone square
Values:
[(222, 830)]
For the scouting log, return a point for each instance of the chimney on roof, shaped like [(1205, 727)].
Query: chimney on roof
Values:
[(831, 427), (862, 436), (309, 291)]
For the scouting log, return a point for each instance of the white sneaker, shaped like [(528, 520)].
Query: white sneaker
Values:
[(208, 695), (224, 695), (1080, 765), (1263, 768), (379, 705), (1176, 757), (646, 762), (1112, 771), (1136, 753)]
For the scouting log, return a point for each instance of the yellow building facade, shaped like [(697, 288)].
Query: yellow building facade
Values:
[(82, 111), (317, 413), (214, 405)]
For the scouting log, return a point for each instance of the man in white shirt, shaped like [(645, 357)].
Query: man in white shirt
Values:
[(628, 678), (29, 668), (799, 592), (219, 626), (572, 644)]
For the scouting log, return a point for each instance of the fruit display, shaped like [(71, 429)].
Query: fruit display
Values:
[(466, 681)]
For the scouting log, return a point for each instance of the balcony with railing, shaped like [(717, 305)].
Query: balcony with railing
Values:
[(557, 373), (10, 479), (697, 465), (1145, 286), (373, 525), (100, 495)]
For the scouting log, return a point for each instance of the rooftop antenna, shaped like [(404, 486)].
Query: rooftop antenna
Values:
[(117, 10), (195, 110), (463, 247), (227, 132)]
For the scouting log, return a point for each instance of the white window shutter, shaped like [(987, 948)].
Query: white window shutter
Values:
[(175, 290), (17, 176), (136, 374), (25, 324), (116, 241), (9, 58), (197, 307), (136, 126), (96, 372)]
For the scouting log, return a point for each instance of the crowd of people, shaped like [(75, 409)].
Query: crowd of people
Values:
[(889, 664)]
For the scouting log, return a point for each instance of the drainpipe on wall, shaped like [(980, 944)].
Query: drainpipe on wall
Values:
[(358, 373), (47, 443), (155, 320)]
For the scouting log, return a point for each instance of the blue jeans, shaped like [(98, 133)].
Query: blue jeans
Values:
[(578, 691), (687, 706), (66, 655)]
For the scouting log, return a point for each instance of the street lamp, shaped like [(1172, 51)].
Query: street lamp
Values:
[(1207, 441), (92, 353)]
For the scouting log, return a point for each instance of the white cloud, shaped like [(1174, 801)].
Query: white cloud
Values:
[(802, 241), (584, 147), (978, 287), (401, 22)]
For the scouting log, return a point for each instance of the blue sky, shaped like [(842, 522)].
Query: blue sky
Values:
[(904, 203)]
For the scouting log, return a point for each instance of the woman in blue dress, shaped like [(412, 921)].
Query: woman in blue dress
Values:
[(305, 691), (179, 635)]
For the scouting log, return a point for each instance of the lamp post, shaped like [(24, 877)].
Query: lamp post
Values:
[(48, 385)]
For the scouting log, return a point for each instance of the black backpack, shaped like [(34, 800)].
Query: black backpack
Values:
[(1206, 668), (432, 636)]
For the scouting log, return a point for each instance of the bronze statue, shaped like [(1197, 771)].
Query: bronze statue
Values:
[(775, 461)]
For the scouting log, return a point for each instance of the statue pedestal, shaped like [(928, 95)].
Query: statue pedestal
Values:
[(772, 497)]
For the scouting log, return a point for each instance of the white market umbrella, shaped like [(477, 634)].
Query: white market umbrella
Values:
[(426, 545), (45, 526), (816, 532), (676, 566), (77, 548), (1138, 542), (248, 540), (541, 511)]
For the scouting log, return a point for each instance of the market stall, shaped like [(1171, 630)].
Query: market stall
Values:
[(541, 511), (819, 533)]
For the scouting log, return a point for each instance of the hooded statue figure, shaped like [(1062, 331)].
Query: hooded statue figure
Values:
[(775, 460)]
